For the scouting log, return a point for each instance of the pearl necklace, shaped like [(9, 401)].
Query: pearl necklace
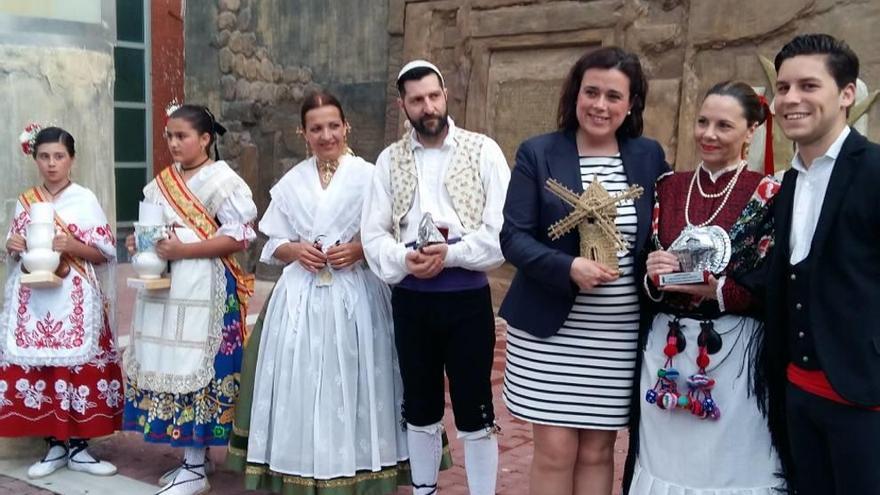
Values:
[(718, 194), (726, 192)]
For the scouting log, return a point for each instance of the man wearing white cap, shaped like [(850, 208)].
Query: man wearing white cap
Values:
[(442, 308)]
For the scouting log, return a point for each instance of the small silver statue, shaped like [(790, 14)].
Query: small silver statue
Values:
[(428, 233)]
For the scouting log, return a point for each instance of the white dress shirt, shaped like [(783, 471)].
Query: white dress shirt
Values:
[(478, 250), (809, 195)]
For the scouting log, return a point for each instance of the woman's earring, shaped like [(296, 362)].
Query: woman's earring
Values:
[(305, 141), (346, 149)]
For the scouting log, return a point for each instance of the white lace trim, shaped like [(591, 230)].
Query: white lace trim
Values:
[(644, 483), (182, 384)]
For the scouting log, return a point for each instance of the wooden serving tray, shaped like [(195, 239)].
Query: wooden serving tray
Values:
[(40, 280), (149, 283)]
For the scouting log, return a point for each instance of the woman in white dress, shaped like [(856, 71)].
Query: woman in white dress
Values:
[(325, 412)]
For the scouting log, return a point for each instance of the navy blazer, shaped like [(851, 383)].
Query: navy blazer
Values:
[(844, 265), (542, 292)]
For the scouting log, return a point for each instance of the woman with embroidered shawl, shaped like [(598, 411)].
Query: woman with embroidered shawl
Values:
[(59, 370), (184, 359), (326, 399), (701, 429)]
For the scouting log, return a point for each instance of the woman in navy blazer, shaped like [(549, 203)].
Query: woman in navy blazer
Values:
[(574, 323)]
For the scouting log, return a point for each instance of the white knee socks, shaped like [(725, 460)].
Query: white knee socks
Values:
[(194, 455), (425, 445), (480, 460)]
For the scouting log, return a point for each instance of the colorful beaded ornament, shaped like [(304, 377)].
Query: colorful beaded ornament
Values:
[(698, 399)]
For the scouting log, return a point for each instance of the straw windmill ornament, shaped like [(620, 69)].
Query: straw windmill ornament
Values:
[(594, 213)]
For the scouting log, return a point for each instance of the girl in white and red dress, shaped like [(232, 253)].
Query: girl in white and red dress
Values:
[(59, 369)]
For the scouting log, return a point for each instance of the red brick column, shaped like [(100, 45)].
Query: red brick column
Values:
[(166, 37)]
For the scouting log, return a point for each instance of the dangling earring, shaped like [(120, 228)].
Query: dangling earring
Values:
[(745, 150), (306, 141), (346, 150)]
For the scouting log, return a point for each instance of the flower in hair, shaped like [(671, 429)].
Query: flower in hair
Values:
[(28, 138)]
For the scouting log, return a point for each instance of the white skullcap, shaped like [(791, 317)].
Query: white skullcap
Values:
[(417, 64)]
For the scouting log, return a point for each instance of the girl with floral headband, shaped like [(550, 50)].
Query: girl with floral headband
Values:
[(59, 370), (184, 360)]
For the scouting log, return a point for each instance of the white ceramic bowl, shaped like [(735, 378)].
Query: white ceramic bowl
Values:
[(148, 265), (40, 260)]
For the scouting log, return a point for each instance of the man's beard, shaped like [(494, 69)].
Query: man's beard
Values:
[(429, 126)]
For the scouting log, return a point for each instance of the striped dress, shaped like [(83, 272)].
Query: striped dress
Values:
[(582, 377)]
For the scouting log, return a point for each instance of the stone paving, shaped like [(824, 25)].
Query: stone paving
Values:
[(146, 462), (12, 486)]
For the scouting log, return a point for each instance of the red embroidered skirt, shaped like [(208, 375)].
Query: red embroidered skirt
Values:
[(81, 401)]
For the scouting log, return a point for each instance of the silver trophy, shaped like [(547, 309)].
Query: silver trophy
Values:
[(429, 233), (701, 251), (324, 277)]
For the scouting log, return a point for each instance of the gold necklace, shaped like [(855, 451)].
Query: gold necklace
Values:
[(326, 169), (687, 201)]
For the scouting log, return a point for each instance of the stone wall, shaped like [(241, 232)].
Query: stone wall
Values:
[(504, 59), (253, 62), (256, 97)]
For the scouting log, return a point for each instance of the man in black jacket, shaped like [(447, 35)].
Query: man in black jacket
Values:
[(824, 286)]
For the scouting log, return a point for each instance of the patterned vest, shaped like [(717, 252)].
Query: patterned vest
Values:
[(462, 180)]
